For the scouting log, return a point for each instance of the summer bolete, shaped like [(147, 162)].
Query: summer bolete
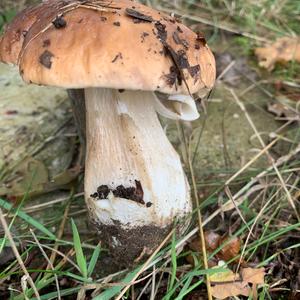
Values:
[(120, 53)]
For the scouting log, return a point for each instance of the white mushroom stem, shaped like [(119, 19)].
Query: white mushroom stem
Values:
[(126, 145)]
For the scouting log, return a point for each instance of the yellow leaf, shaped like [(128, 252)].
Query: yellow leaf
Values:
[(225, 276), (228, 284)]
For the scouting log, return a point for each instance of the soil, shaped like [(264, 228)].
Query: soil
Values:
[(143, 36), (179, 58), (59, 22), (201, 39), (194, 71), (179, 29), (140, 241), (134, 193), (137, 16), (162, 34), (46, 59), (103, 191), (118, 56), (172, 77), (180, 41)]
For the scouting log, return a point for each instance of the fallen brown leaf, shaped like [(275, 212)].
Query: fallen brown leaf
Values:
[(223, 291), (213, 241), (230, 250), (255, 276), (282, 50)]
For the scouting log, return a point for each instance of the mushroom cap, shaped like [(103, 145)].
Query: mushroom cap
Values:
[(12, 41), (113, 44)]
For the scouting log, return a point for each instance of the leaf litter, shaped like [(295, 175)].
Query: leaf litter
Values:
[(283, 50), (227, 283)]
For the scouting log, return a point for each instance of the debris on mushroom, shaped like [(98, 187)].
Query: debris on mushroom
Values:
[(135, 186)]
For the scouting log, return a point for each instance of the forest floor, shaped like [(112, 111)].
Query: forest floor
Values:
[(245, 154)]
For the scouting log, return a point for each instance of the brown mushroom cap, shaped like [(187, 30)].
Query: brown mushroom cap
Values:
[(12, 41), (114, 44)]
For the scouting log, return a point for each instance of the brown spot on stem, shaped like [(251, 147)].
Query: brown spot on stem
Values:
[(103, 191), (132, 193)]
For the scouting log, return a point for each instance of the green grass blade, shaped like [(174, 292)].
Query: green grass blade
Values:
[(93, 260), (185, 292), (81, 260), (110, 293), (54, 295), (184, 289), (193, 274), (7, 206), (174, 262)]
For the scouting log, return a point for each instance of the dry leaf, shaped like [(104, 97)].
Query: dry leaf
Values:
[(288, 89), (230, 250), (281, 110), (223, 291), (282, 51), (228, 284), (255, 276), (213, 241)]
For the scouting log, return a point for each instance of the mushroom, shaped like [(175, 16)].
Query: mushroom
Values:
[(121, 53)]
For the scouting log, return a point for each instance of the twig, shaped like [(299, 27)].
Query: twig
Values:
[(248, 164), (202, 238), (200, 223), (64, 256), (60, 233), (50, 203), (49, 263), (252, 228), (216, 25), (228, 193), (17, 254), (243, 108), (60, 12)]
